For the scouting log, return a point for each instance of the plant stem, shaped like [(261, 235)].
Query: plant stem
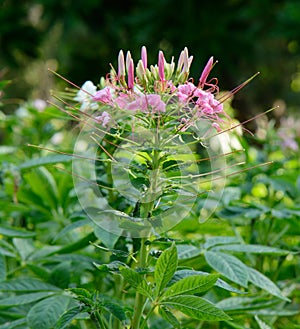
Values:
[(99, 321), (118, 294), (146, 211), (139, 298), (148, 316)]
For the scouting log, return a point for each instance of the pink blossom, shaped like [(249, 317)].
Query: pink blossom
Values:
[(103, 95), (205, 100), (103, 119), (122, 100), (208, 104), (186, 91), (147, 103)]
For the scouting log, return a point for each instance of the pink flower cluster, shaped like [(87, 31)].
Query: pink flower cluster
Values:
[(130, 101), (204, 100), (149, 90)]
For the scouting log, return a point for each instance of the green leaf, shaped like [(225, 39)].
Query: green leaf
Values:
[(191, 285), (14, 324), (252, 248), (25, 247), (43, 184), (26, 285), (80, 244), (169, 317), (219, 283), (15, 232), (5, 252), (107, 238), (263, 282), (61, 275), (219, 240), (115, 309), (228, 265), (71, 227), (82, 295), (67, 317), (2, 268), (23, 299), (44, 314), (187, 251), (113, 266), (165, 268), (196, 307), (131, 276), (246, 303), (235, 325), (51, 159), (261, 323), (145, 289)]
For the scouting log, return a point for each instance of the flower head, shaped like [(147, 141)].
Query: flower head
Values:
[(159, 89)]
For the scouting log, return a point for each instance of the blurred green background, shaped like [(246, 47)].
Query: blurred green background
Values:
[(80, 38)]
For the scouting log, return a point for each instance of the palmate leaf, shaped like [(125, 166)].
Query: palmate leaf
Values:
[(263, 282), (44, 314), (196, 307), (191, 285), (228, 265), (165, 268)]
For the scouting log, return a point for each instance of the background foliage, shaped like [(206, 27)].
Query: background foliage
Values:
[(79, 38)]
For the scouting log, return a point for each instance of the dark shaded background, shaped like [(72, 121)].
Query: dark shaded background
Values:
[(80, 38)]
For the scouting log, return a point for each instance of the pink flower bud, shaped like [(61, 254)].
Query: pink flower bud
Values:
[(161, 66), (121, 65), (144, 57), (128, 59), (206, 72), (130, 74)]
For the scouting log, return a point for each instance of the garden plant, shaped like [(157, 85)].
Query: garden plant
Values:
[(140, 203)]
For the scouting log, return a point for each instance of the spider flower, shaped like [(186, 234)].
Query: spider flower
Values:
[(156, 89)]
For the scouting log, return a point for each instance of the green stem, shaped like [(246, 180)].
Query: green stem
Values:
[(118, 294), (139, 298), (146, 210), (99, 321), (144, 322)]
